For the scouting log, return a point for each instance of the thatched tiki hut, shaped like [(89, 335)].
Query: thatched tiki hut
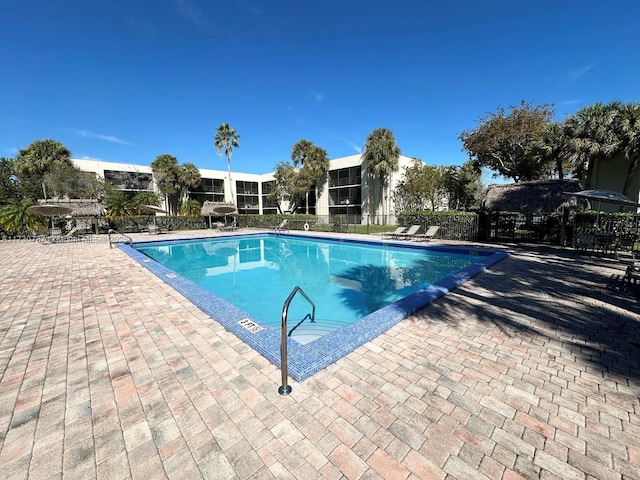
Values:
[(81, 208), (217, 209), (532, 201)]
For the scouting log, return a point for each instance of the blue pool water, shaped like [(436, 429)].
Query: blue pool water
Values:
[(360, 288), (346, 281)]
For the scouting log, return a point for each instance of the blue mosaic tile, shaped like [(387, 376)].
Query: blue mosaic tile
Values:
[(305, 360)]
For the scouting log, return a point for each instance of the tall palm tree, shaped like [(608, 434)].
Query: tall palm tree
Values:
[(314, 162), (226, 139), (40, 157), (592, 136), (628, 125), (382, 156), (188, 177), (552, 147)]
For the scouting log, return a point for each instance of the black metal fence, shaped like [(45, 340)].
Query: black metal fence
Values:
[(489, 227)]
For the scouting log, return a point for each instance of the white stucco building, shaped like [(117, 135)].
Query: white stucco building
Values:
[(344, 191)]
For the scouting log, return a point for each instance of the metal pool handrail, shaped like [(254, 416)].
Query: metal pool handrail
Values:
[(285, 389), (110, 231)]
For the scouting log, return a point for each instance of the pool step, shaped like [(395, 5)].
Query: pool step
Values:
[(308, 331)]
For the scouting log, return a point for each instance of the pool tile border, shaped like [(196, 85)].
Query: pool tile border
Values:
[(305, 360)]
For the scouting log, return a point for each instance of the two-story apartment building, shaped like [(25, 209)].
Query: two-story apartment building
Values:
[(344, 191)]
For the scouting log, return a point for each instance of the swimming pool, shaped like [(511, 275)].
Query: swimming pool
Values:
[(360, 288)]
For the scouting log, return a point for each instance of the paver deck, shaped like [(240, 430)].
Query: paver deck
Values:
[(529, 370)]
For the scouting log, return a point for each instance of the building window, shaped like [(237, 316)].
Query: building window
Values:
[(345, 191), (247, 197), (133, 181), (269, 204), (210, 189), (345, 176)]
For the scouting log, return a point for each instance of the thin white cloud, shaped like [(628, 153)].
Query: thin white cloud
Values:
[(571, 102), (190, 11), (581, 72), (106, 138), (356, 148), (317, 95)]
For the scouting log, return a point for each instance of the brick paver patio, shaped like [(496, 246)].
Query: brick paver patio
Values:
[(530, 370)]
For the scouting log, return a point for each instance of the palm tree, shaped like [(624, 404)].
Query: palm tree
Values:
[(120, 206), (226, 139), (188, 177), (382, 155), (191, 208), (592, 136), (314, 162), (40, 157), (552, 147), (16, 220), (628, 126)]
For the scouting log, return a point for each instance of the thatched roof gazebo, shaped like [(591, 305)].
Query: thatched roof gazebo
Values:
[(218, 208), (538, 196), (79, 207)]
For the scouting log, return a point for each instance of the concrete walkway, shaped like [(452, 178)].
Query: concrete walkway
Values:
[(531, 370)]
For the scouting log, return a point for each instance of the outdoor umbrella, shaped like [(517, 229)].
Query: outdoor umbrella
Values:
[(224, 208), (152, 209), (49, 210), (217, 208), (607, 196)]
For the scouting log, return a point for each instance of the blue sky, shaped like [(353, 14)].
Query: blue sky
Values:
[(126, 81)]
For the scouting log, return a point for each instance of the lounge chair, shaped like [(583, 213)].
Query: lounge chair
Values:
[(154, 229), (397, 231), (282, 227), (56, 236), (429, 234), (409, 234), (230, 226)]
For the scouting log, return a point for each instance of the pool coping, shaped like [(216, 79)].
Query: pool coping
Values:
[(305, 360)]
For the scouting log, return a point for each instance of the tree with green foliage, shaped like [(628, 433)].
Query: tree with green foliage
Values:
[(295, 180), (40, 158), (313, 164), (552, 147), (285, 182), (9, 188), (420, 188), (463, 186), (382, 156), (147, 198), (502, 141), (174, 180), (165, 173), (191, 209), (591, 137), (601, 131), (292, 184), (226, 139), (120, 206), (15, 220), (188, 177), (68, 181)]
